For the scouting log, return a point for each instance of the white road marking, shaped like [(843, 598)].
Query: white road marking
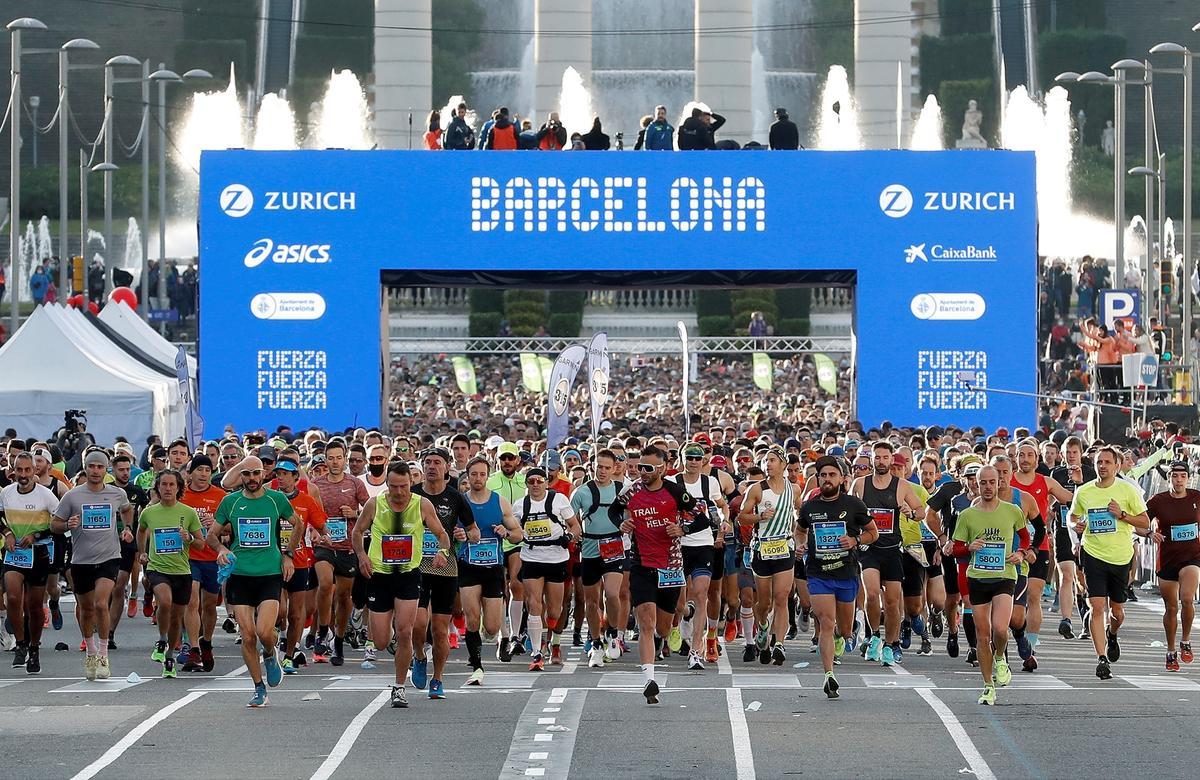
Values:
[(350, 736), (958, 734), (543, 746), (743, 755), (1156, 682), (130, 739), (723, 666)]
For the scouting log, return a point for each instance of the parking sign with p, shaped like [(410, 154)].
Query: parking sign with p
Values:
[(1120, 305)]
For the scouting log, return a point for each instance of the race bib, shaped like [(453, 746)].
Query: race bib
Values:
[(1101, 521), (430, 545), (1064, 515), (396, 548), (827, 536), (747, 558), (926, 534), (486, 552), (20, 558), (537, 530), (885, 519), (670, 578), (773, 549), (285, 533), (168, 540), (335, 529), (254, 532), (1183, 533), (612, 550), (95, 517), (990, 557)]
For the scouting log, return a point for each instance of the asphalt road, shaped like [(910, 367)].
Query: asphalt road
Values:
[(735, 720)]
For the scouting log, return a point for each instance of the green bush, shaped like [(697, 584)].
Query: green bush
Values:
[(713, 303), (965, 16), (483, 299), (954, 58), (565, 325), (833, 43), (715, 325), (789, 326), (39, 192), (746, 302), (215, 56), (1081, 51), (1092, 185), (456, 38), (793, 302), (484, 324), (565, 301), (525, 325), (953, 97), (318, 55)]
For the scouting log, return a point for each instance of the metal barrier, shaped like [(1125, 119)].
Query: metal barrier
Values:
[(641, 346)]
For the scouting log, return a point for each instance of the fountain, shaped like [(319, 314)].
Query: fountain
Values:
[(275, 127), (575, 103), (131, 261), (760, 108), (214, 122), (837, 125), (342, 118), (927, 133)]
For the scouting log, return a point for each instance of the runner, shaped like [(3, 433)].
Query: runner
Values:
[(1105, 512), (548, 526), (984, 533), (396, 521), (650, 512), (98, 516), (771, 507), (603, 560), (251, 519), (167, 529), (1074, 471), (342, 496), (836, 524), (1036, 528), (509, 481), (1175, 515), (886, 496), (699, 554), (481, 567), (300, 589), (200, 618), (27, 508), (122, 467)]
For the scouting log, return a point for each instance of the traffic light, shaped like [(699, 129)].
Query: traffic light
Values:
[(77, 281), (1166, 278)]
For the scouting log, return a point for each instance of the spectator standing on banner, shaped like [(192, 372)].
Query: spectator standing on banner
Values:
[(433, 131), (502, 134), (552, 136), (459, 135), (640, 143), (659, 135), (596, 139), (783, 134), (698, 131), (527, 139)]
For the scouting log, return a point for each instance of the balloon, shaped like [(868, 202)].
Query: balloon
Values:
[(75, 301), (93, 307), (124, 295)]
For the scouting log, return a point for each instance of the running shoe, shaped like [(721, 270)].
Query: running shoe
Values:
[(504, 649), (791, 633), (206, 656), (875, 649), (160, 652), (1185, 652), (839, 646), (937, 623), (711, 651), (337, 659), (56, 618), (730, 631), (537, 663), (299, 660), (184, 655), (453, 639), (524, 646), (7, 640), (91, 665), (897, 653), (287, 666), (259, 699), (926, 646), (1003, 673), (906, 632), (595, 656), (33, 663), (132, 609), (1024, 649), (1030, 664), (420, 673), (1103, 669), (764, 656), (651, 692), (988, 697), (556, 655), (169, 668), (1065, 629), (777, 654), (831, 686), (103, 670), (369, 653), (804, 620), (675, 639), (21, 658), (274, 673), (194, 662), (476, 677), (1114, 647), (148, 605), (887, 658), (1172, 662), (399, 700), (112, 644), (972, 657), (762, 636), (749, 653), (228, 626), (814, 644), (576, 639), (918, 624), (435, 689), (694, 662)]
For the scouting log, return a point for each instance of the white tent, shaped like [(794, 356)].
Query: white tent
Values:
[(53, 363), (134, 329)]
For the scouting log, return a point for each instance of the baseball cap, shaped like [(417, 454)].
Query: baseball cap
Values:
[(693, 450), (836, 451), (826, 460), (574, 452), (267, 452), (718, 461), (1002, 432), (286, 465), (899, 459), (551, 460), (702, 438), (1180, 465), (493, 442), (972, 469), (317, 460), (507, 448)]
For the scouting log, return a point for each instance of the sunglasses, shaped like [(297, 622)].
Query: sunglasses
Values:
[(693, 457), (252, 472), (508, 457), (379, 460), (620, 458), (861, 467), (646, 467), (535, 481)]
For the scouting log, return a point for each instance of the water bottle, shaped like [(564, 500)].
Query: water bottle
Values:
[(223, 572)]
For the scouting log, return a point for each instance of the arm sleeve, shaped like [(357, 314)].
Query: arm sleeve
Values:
[(1039, 531), (1023, 535), (960, 549), (466, 515)]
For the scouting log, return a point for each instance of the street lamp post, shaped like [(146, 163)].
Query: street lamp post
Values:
[(35, 103), (15, 27), (106, 169), (109, 82), (1188, 260)]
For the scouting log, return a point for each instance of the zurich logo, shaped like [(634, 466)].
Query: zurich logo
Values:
[(237, 200), (895, 201)]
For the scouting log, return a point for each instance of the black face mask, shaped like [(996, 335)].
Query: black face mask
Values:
[(377, 469)]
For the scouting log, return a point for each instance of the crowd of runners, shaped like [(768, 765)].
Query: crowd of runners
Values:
[(679, 548)]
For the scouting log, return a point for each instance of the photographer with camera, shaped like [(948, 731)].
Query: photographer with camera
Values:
[(72, 439), (552, 136)]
